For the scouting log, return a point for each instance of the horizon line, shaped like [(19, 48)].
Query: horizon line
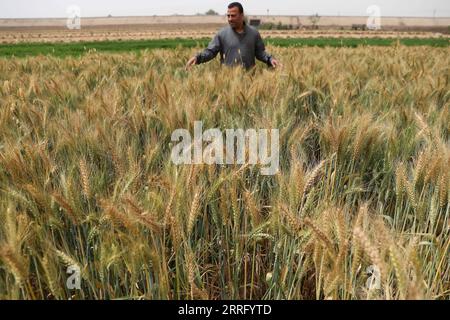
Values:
[(202, 14)]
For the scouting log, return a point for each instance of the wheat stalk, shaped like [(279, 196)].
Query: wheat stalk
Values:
[(193, 212), (371, 250), (313, 176), (142, 216), (400, 180), (15, 263), (295, 224), (84, 172), (320, 234), (64, 204), (252, 208)]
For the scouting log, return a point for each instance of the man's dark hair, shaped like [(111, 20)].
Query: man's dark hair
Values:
[(236, 5)]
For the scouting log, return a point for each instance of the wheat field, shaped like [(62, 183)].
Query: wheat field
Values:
[(86, 178)]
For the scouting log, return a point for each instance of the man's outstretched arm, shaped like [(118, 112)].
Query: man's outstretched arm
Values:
[(262, 55), (208, 54)]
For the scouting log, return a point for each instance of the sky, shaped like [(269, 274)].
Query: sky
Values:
[(100, 8)]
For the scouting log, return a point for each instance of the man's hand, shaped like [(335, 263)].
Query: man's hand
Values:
[(192, 61), (275, 63)]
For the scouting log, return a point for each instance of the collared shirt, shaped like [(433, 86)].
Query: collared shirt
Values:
[(236, 48)]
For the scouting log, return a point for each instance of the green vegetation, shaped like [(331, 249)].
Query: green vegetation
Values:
[(76, 49), (211, 12), (275, 26)]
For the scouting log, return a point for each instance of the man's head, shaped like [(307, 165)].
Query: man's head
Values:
[(235, 15)]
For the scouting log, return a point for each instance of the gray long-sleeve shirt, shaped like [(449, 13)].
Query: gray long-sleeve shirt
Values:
[(236, 48)]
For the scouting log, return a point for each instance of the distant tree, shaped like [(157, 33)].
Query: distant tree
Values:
[(211, 12)]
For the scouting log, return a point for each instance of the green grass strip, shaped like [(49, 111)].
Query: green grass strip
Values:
[(79, 48)]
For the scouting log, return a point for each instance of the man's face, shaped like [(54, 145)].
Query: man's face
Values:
[(235, 18)]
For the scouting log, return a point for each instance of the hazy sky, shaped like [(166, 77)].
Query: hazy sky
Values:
[(89, 8)]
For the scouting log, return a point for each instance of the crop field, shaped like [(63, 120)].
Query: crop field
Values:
[(180, 31), (13, 31), (26, 49), (359, 209)]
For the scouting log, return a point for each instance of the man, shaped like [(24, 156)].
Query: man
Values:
[(238, 44)]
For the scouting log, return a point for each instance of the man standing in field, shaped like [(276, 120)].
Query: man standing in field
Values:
[(238, 44)]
